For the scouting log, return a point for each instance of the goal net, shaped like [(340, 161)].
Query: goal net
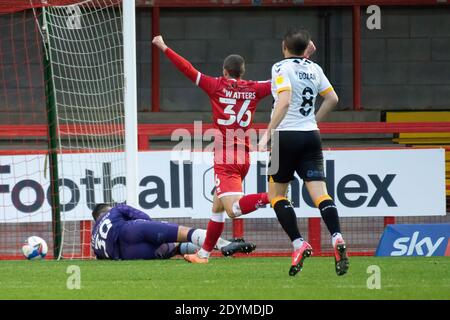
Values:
[(23, 185), (66, 75)]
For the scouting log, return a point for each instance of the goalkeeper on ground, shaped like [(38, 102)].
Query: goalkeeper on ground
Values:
[(126, 233)]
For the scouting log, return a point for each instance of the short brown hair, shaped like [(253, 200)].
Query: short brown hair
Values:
[(235, 65), (99, 209), (296, 40)]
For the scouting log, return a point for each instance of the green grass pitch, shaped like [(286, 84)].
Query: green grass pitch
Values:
[(226, 278)]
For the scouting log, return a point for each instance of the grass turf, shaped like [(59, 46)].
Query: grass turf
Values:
[(231, 278)]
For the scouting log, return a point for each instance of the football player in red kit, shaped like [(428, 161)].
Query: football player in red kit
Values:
[(233, 102)]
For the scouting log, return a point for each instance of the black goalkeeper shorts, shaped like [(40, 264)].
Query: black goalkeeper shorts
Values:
[(296, 151)]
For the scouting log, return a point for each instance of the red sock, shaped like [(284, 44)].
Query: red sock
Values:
[(251, 202), (213, 232)]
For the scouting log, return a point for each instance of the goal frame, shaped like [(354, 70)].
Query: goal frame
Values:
[(130, 100), (130, 122)]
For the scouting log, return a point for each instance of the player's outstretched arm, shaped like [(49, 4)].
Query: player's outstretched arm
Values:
[(158, 41), (330, 100), (310, 50), (180, 63)]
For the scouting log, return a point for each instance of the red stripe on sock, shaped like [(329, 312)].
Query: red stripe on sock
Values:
[(251, 202), (213, 232)]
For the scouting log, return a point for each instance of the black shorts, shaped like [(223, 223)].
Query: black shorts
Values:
[(296, 151)]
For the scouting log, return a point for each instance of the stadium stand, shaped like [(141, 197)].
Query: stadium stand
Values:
[(421, 140)]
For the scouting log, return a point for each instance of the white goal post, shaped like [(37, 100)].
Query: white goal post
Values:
[(130, 100)]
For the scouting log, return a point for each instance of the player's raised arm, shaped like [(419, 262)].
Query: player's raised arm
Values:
[(182, 64), (204, 82), (310, 50), (130, 213)]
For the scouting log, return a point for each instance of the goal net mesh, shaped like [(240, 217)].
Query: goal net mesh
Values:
[(24, 209), (85, 44)]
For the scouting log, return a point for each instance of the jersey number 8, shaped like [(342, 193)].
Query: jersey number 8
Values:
[(307, 103)]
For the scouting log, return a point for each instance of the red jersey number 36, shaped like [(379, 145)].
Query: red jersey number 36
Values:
[(243, 117)]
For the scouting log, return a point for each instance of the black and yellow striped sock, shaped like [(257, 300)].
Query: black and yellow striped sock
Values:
[(286, 216), (329, 213)]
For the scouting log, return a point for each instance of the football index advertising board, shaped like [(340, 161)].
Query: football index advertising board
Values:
[(363, 183)]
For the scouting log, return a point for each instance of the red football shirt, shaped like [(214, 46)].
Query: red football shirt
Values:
[(233, 106)]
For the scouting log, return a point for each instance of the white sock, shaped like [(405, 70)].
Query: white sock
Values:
[(222, 243), (198, 237), (202, 253), (218, 217), (188, 248), (335, 238), (297, 243), (237, 209)]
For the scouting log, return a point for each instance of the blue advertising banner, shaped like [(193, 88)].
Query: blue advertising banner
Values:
[(401, 240)]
